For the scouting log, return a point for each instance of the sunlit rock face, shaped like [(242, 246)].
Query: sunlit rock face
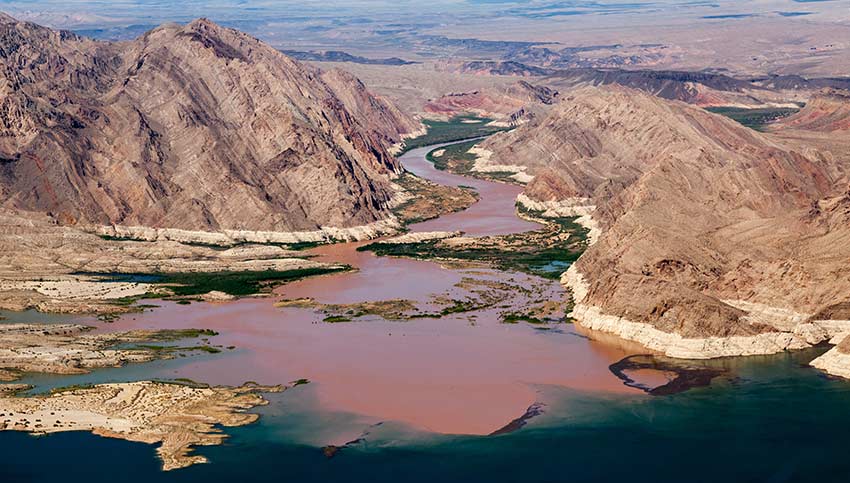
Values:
[(708, 229), (193, 127)]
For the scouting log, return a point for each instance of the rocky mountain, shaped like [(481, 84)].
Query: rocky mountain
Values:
[(514, 103), (195, 127), (827, 111), (715, 239)]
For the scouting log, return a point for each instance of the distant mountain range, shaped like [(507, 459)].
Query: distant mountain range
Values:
[(339, 56)]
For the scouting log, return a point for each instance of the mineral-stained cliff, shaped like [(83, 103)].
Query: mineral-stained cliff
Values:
[(716, 239), (193, 127)]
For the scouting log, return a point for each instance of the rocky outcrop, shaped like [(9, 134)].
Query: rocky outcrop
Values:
[(195, 127), (569, 207), (378, 114), (715, 240), (673, 344), (836, 361), (232, 237), (176, 417)]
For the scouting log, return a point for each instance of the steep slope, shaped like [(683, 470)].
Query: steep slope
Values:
[(382, 116), (194, 127), (716, 240)]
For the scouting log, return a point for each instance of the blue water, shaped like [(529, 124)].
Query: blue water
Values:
[(556, 267), (774, 421)]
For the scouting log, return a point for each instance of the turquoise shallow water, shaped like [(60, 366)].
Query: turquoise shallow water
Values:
[(775, 420)]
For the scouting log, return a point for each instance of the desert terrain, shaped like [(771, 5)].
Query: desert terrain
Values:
[(534, 193)]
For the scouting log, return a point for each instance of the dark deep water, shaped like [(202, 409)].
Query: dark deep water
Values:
[(775, 421)]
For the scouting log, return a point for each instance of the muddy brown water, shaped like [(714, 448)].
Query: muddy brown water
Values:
[(460, 374)]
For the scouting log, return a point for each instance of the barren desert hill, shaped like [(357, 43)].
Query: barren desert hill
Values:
[(514, 103), (196, 127), (702, 219), (701, 88)]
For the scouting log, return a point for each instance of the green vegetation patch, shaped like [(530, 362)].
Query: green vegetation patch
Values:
[(517, 318), (430, 200), (306, 245), (298, 246), (184, 381), (757, 119), (455, 129), (167, 348), (458, 307), (545, 253), (170, 335), (456, 158), (528, 259), (336, 319), (71, 388), (237, 284), (177, 334)]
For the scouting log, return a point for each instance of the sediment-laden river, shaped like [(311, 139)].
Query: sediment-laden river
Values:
[(420, 396), (465, 373)]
